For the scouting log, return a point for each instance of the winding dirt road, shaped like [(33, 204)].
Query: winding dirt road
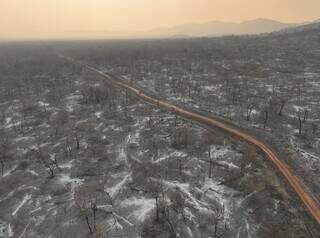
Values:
[(311, 203)]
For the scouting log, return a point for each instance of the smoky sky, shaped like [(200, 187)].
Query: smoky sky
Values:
[(53, 18)]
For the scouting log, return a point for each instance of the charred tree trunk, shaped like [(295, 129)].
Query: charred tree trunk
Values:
[(77, 143), (305, 116), (300, 123), (2, 166), (89, 226), (157, 207), (265, 119), (281, 108), (210, 165)]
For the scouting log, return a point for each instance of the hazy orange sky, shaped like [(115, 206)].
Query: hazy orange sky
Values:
[(56, 18)]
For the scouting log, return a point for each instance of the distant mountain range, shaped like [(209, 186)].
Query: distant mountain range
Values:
[(209, 29), (302, 27), (217, 28)]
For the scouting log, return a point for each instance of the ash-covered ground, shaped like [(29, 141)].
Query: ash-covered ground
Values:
[(267, 84), (81, 158)]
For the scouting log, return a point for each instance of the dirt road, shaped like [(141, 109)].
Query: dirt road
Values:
[(301, 190)]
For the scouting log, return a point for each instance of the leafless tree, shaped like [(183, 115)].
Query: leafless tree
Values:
[(250, 108), (5, 150), (217, 219), (44, 158), (282, 104), (300, 121), (266, 117)]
